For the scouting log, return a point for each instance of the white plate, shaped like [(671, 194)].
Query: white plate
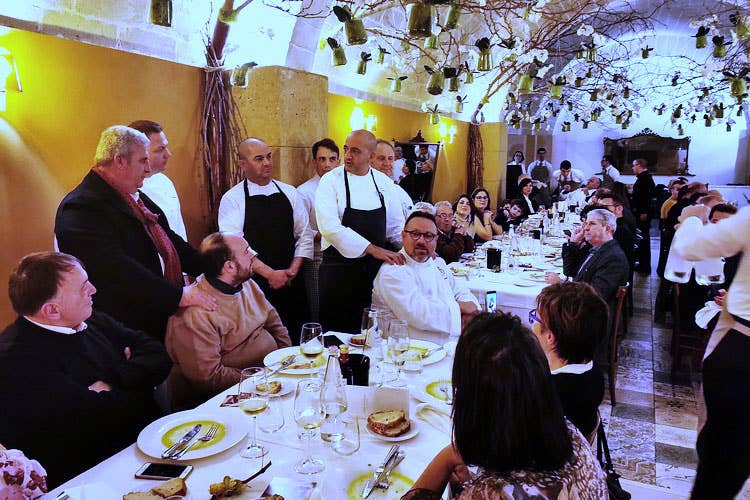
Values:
[(279, 354), (356, 346), (235, 426), (524, 284), (420, 394), (426, 345), (286, 387), (413, 431)]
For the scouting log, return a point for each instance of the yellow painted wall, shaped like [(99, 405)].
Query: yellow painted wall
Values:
[(48, 133), (402, 125)]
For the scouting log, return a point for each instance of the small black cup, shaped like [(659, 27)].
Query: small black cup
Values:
[(360, 369), (493, 257), (536, 234)]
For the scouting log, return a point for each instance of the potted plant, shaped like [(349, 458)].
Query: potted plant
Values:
[(701, 37), (720, 46), (421, 19), (381, 55), (451, 74), (556, 87), (434, 115), (645, 51), (460, 100), (452, 16)]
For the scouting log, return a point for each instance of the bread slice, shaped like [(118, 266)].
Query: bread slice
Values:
[(170, 488), (272, 387), (390, 423), (358, 339), (141, 496)]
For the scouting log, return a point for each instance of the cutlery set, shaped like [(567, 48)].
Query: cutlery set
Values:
[(380, 478), (177, 450)]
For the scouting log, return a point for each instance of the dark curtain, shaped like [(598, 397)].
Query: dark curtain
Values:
[(474, 159)]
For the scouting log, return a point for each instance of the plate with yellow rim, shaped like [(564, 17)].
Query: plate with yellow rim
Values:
[(302, 365), (164, 432)]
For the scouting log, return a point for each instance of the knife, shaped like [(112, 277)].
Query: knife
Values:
[(183, 440), (431, 352), (385, 483), (377, 476)]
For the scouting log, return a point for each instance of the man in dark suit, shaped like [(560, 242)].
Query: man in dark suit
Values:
[(603, 265), (643, 192), (452, 238), (624, 234), (75, 387), (124, 240)]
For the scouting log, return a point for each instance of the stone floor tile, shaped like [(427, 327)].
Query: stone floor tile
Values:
[(676, 436), (676, 412), (633, 412), (678, 456), (678, 479)]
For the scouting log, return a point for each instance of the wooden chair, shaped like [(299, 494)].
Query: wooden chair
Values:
[(591, 438), (687, 337), (622, 292)]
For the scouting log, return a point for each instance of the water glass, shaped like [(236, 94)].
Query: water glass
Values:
[(308, 414), (348, 444), (370, 328), (272, 420), (311, 342), (414, 362)]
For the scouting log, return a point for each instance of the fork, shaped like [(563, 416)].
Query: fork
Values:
[(285, 364), (443, 387), (208, 436)]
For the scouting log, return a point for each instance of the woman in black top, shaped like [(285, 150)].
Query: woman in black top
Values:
[(567, 322)]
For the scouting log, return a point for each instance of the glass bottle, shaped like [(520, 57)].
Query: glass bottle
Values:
[(332, 398), (677, 269)]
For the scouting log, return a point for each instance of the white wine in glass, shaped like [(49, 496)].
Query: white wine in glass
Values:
[(311, 340), (253, 386), (398, 345)]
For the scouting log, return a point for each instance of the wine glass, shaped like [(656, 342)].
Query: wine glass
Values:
[(308, 414), (398, 344), (370, 328), (272, 420), (253, 396), (311, 342)]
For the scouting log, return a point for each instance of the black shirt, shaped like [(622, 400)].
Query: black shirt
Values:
[(581, 395)]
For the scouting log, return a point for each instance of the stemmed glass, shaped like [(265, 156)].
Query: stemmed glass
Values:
[(398, 344), (308, 414), (370, 328), (311, 342), (253, 396)]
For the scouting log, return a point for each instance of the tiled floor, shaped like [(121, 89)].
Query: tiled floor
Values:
[(653, 427)]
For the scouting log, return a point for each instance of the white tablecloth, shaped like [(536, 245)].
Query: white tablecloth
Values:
[(285, 450)]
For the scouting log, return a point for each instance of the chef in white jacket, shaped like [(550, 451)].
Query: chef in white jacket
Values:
[(360, 221), (423, 292), (384, 161)]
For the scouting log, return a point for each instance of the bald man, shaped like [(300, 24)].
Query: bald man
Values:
[(273, 219), (360, 220)]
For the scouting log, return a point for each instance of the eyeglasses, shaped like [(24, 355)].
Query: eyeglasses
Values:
[(534, 317), (481, 197), (415, 235), (443, 216)]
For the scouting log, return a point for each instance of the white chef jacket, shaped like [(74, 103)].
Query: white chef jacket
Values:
[(160, 189), (330, 202), (307, 192), (404, 199), (398, 166), (232, 213), (423, 294)]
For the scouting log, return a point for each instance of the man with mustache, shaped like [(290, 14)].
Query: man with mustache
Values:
[(272, 217), (124, 239), (423, 292)]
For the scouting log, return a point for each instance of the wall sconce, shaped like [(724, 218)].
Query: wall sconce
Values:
[(452, 131), (371, 123), (446, 131), (357, 119), (9, 79)]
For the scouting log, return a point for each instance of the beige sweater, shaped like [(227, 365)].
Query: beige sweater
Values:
[(210, 349)]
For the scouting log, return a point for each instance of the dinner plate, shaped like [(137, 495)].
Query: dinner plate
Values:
[(286, 387), (422, 346), (535, 276), (280, 354), (427, 392), (524, 284), (357, 479), (357, 346), (413, 431), (161, 434)]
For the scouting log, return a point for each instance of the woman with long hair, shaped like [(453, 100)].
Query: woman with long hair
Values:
[(462, 214), (508, 422), (482, 217)]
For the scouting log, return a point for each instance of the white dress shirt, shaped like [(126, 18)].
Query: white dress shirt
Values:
[(552, 182), (612, 172), (307, 192), (59, 329), (574, 175), (575, 369), (695, 241), (330, 202), (423, 294), (161, 190), (232, 213), (529, 204)]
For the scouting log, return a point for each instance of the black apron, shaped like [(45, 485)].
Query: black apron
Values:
[(573, 185), (346, 284), (513, 172), (607, 180), (269, 229)]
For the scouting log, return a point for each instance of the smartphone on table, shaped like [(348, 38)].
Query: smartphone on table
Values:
[(151, 470), (490, 302)]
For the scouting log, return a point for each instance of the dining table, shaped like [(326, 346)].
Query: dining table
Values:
[(342, 477)]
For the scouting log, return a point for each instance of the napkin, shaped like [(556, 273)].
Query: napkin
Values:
[(703, 316), (436, 417)]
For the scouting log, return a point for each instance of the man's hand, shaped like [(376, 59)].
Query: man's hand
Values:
[(194, 296), (100, 386), (720, 299), (127, 353), (278, 279), (700, 211), (552, 278), (566, 188), (468, 311), (577, 235), (459, 228), (294, 268), (386, 255)]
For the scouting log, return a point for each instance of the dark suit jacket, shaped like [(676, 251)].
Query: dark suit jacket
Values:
[(643, 190), (48, 410), (451, 246), (607, 269), (95, 224), (625, 236)]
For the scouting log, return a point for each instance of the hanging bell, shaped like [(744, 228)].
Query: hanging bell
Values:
[(396, 85), (434, 118), (555, 91), (453, 84), (338, 57), (355, 32), (469, 77), (436, 83), (452, 17), (485, 60), (421, 20), (525, 84), (431, 42), (459, 107)]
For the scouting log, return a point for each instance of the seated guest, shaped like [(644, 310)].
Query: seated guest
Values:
[(568, 320), (580, 197), (514, 217), (124, 240), (452, 239), (482, 217), (508, 422), (604, 266), (624, 234), (65, 372), (674, 189), (462, 214), (530, 205), (423, 292), (210, 348)]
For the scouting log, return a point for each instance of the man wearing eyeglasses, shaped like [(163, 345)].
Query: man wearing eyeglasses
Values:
[(452, 239), (423, 292)]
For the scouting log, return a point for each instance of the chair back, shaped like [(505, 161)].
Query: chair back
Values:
[(622, 292)]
